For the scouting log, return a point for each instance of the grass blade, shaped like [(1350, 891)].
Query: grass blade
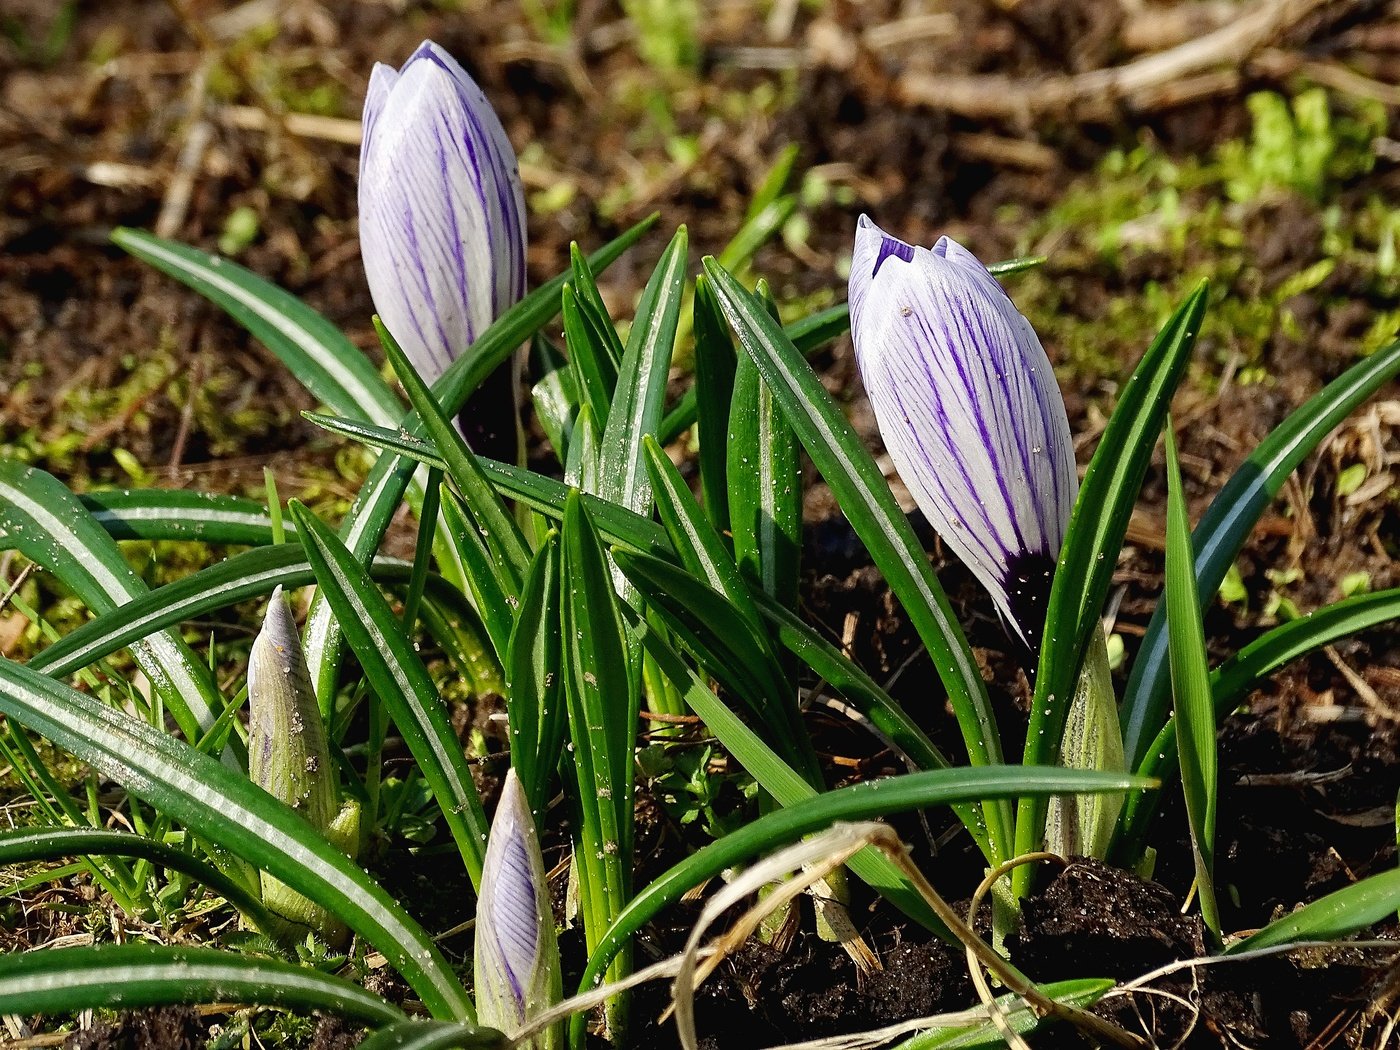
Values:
[(379, 497), (1227, 523), (865, 801), (1194, 713), (314, 350), (1020, 1018), (46, 523), (433, 1035), (765, 488), (224, 806), (1231, 679), (534, 691), (1092, 542), (496, 526), (132, 976), (1332, 917), (32, 845), (871, 509), (396, 673), (713, 390), (641, 390)]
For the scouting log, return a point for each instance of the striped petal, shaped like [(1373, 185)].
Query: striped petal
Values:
[(516, 955), (442, 214), (969, 411)]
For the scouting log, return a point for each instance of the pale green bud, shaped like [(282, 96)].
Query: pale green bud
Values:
[(290, 759), (1083, 825)]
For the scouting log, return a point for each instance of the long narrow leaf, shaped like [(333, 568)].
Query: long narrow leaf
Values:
[(317, 353), (132, 976), (871, 509), (866, 801), (641, 386), (1230, 680), (44, 844), (1191, 702), (433, 1035), (765, 488), (379, 497), (396, 673), (1228, 522), (225, 807), (1092, 542), (46, 523), (1337, 915), (494, 522), (534, 669), (713, 390), (1019, 1017)]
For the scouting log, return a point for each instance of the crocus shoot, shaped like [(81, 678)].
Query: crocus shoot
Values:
[(289, 758)]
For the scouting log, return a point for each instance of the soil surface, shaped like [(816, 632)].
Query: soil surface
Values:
[(178, 117)]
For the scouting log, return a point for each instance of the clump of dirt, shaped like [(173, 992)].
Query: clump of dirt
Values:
[(161, 1028)]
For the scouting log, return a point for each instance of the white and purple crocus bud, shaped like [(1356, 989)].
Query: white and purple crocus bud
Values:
[(969, 411), (442, 215), (517, 957)]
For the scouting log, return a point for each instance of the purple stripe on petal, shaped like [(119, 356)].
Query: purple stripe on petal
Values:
[(516, 957), (442, 225), (969, 411)]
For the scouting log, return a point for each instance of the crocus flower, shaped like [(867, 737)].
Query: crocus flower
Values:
[(969, 411), (516, 956), (442, 216), (290, 759)]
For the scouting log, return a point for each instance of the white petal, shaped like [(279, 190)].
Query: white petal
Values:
[(968, 408)]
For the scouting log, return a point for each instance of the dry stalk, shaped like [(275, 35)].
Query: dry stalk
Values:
[(1096, 93)]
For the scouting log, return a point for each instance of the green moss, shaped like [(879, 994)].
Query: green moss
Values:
[(1129, 241)]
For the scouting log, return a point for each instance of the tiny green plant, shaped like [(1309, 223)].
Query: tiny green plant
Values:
[(612, 601)]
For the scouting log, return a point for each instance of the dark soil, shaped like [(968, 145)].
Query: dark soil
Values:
[(91, 131)]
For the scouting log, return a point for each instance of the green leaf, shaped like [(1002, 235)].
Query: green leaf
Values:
[(46, 523), (809, 334), (593, 369), (641, 389), (396, 674), (594, 310), (177, 514), (225, 807), (240, 578), (1019, 1017), (1228, 521), (713, 391), (604, 698), (870, 800), (1194, 713), (555, 396), (725, 642), (765, 488), (496, 525), (379, 497), (482, 574), (534, 669), (434, 1035), (32, 845), (317, 353), (1333, 917), (1092, 542), (1231, 679), (871, 509), (132, 976)]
